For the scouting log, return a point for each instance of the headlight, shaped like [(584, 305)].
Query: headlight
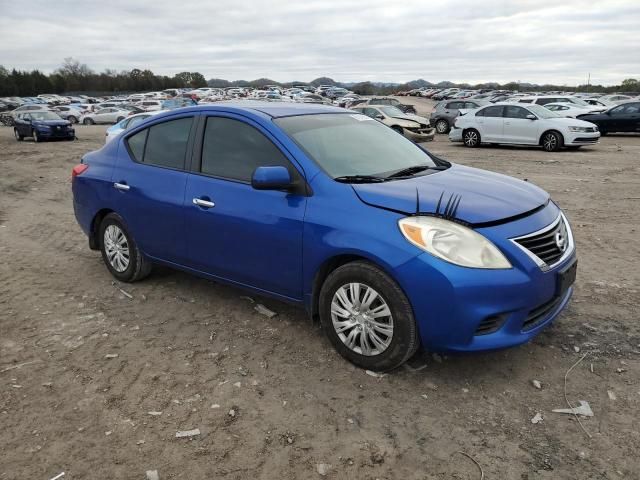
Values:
[(452, 242), (578, 129)]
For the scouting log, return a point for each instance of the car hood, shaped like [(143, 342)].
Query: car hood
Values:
[(51, 123), (484, 196)]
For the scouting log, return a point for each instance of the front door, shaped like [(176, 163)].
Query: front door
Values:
[(251, 237), (517, 127)]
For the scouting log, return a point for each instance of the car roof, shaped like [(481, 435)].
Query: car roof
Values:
[(271, 109)]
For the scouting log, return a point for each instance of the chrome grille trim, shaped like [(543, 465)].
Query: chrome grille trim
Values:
[(552, 226)]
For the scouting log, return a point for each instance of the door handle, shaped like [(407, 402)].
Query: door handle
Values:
[(121, 186), (203, 203)]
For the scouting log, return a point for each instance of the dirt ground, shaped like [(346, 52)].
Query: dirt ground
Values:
[(270, 397)]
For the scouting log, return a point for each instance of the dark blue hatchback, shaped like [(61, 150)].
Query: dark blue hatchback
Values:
[(389, 246)]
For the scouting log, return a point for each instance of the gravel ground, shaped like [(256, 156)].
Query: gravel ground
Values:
[(83, 363)]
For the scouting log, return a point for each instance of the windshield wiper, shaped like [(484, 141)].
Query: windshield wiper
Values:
[(407, 172), (360, 179)]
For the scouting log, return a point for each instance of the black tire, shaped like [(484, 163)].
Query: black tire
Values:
[(551, 141), (88, 121), (398, 129), (34, 134), (138, 267), (442, 126), (18, 136), (404, 339), (471, 138), (72, 119)]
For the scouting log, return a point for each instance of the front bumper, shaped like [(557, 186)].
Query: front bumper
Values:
[(54, 133), (466, 310), (572, 139), (423, 135)]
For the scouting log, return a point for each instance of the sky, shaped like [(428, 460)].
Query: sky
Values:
[(537, 41)]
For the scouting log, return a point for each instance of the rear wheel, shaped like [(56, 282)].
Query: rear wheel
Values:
[(442, 126), (120, 252), (18, 136), (471, 138), (551, 141), (72, 119), (367, 317), (88, 121)]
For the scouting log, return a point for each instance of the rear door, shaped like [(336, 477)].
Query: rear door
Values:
[(251, 237), (625, 118), (517, 127), (490, 123), (150, 178)]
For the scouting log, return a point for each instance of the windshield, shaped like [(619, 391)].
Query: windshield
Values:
[(353, 144), (44, 116), (542, 112), (391, 111)]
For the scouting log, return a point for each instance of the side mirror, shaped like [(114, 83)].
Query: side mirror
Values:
[(271, 178), (532, 117), (379, 117)]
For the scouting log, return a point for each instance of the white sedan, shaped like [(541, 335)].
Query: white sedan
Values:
[(520, 124), (105, 115), (129, 122), (570, 110)]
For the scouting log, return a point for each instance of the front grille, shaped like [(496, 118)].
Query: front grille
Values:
[(539, 314), (550, 244), (490, 324)]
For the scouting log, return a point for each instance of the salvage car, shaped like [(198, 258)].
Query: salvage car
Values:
[(129, 122), (411, 126), (522, 124), (392, 248), (42, 125), (445, 113), (394, 102), (621, 118)]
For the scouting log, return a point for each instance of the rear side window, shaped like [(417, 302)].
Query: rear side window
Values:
[(494, 111), (163, 145), (232, 149)]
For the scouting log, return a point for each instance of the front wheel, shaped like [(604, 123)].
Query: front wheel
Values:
[(35, 136), (398, 129), (471, 138), (367, 317), (120, 252), (551, 141), (119, 119)]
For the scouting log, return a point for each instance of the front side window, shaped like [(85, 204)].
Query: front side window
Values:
[(233, 149), (515, 112), (163, 145)]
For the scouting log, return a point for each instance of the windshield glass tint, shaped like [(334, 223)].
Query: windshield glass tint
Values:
[(344, 144), (542, 112), (44, 116)]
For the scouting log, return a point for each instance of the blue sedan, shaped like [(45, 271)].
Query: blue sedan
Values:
[(392, 248)]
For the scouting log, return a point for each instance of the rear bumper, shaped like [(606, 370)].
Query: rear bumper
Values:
[(455, 134)]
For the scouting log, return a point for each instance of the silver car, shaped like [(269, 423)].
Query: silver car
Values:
[(105, 115), (68, 113), (413, 127), (445, 113)]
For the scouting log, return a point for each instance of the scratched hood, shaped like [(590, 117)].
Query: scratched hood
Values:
[(483, 196)]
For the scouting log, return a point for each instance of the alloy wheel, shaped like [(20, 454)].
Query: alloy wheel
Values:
[(116, 247), (362, 319), (470, 138), (441, 126), (550, 142)]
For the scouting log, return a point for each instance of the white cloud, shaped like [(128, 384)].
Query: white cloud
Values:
[(459, 40)]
